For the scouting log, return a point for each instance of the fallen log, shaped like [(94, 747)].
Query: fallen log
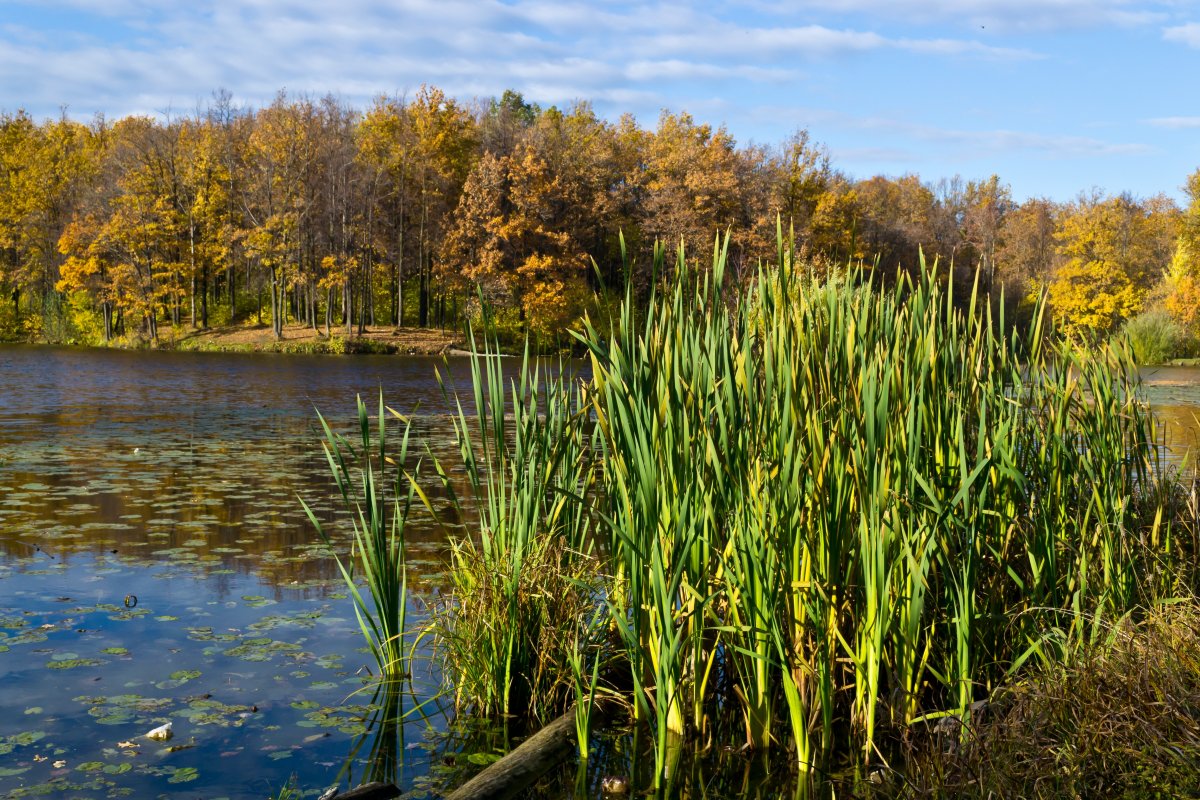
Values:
[(370, 791), (547, 748)]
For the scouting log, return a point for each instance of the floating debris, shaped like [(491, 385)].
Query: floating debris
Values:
[(161, 733)]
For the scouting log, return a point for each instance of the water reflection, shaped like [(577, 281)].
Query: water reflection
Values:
[(1174, 394)]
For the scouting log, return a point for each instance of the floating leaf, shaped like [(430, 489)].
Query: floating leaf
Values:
[(184, 775)]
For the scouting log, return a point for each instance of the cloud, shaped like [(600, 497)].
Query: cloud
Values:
[(998, 16), (975, 143), (1175, 122), (810, 43), (130, 56), (874, 155), (908, 138), (1188, 34), (677, 69)]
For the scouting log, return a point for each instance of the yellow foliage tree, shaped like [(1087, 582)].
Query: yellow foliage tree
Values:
[(507, 240), (1183, 277), (1112, 251)]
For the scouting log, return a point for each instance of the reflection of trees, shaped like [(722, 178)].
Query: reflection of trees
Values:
[(1180, 425), (223, 503), (401, 710)]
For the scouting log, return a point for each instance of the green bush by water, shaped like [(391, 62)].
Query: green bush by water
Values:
[(1156, 338)]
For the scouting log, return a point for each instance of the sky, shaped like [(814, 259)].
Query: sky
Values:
[(1057, 97)]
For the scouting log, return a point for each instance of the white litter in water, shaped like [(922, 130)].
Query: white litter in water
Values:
[(161, 733)]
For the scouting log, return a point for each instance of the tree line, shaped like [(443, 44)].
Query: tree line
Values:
[(413, 210)]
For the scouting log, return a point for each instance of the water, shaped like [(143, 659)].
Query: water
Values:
[(156, 565), (1174, 392)]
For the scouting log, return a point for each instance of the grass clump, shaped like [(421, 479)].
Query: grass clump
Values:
[(1119, 720), (525, 583), (1155, 337)]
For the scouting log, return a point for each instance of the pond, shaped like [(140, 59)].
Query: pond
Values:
[(156, 566)]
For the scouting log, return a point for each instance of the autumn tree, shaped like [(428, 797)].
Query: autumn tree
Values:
[(584, 155), (209, 211), (504, 241), (281, 151), (43, 169), (386, 149), (1182, 284), (894, 220), (692, 184), (796, 176), (1112, 250), (445, 149), (1026, 254)]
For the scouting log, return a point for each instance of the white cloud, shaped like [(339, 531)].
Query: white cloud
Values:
[(970, 142), (555, 52), (908, 137), (1175, 122), (998, 16), (677, 69), (1188, 34)]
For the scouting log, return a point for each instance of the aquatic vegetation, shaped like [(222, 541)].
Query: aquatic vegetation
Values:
[(524, 586), (379, 516), (843, 509), (814, 515)]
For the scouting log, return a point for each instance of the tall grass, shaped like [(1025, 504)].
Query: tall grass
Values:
[(860, 507)]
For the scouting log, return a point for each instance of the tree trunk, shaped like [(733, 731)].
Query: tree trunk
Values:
[(328, 311), (547, 748)]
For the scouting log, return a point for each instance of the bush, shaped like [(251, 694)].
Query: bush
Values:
[(1155, 337)]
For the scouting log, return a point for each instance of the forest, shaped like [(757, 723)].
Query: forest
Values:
[(414, 211)]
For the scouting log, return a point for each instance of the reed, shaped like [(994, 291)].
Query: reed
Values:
[(862, 506), (813, 513), (379, 509), (524, 585)]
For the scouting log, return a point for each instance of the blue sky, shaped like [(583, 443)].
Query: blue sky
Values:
[(1055, 96)]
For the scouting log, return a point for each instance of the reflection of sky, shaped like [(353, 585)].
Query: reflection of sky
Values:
[(258, 685)]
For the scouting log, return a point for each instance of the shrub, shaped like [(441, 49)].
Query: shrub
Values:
[(1155, 337)]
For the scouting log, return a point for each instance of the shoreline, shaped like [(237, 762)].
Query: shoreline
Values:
[(297, 340)]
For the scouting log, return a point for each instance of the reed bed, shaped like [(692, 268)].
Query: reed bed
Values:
[(839, 509), (802, 516)]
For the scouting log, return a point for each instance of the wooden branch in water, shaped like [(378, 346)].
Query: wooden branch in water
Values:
[(547, 748), (371, 791)]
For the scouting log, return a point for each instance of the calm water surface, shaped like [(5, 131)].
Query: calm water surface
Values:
[(155, 566)]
